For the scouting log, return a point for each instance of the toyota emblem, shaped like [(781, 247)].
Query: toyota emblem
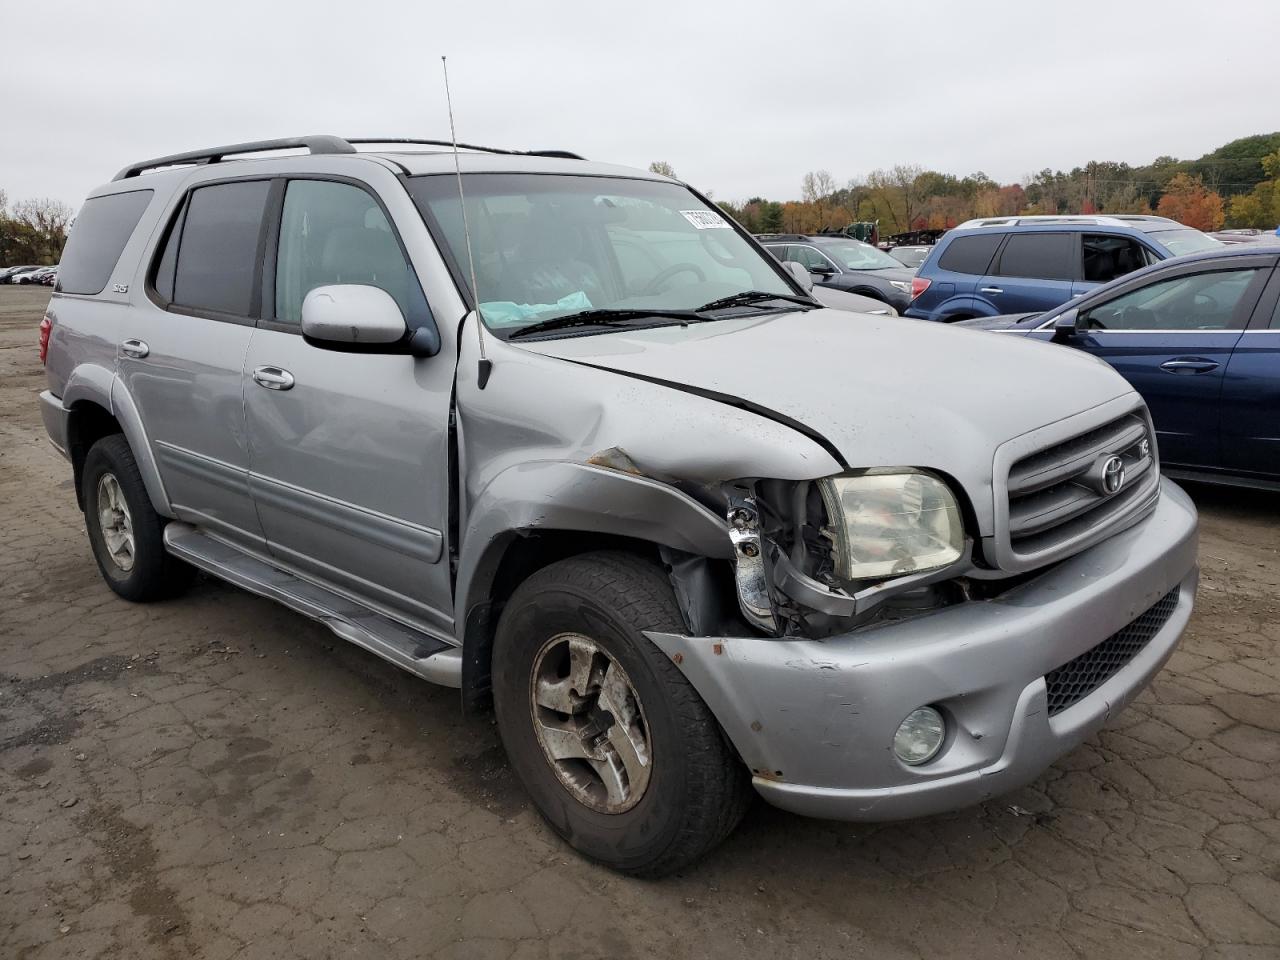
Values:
[(1113, 475)]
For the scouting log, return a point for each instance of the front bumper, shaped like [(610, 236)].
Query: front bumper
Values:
[(814, 720)]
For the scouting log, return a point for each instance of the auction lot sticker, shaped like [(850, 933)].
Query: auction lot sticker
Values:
[(705, 219)]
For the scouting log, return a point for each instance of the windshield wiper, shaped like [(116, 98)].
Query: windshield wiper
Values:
[(604, 317), (755, 296)]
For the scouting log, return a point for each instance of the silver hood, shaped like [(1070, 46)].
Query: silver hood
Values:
[(881, 391)]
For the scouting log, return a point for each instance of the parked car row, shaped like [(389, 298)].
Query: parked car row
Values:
[(46, 276)]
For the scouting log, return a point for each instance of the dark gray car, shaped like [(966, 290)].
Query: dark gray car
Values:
[(846, 264)]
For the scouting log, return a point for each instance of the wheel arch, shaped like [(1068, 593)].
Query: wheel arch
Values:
[(537, 514)]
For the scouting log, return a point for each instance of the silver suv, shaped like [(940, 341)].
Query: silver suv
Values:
[(687, 531)]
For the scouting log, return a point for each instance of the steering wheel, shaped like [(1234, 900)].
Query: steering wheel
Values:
[(660, 279)]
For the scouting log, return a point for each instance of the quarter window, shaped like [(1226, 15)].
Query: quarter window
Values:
[(97, 240), (213, 248), (971, 255), (336, 233), (1200, 301), (1039, 256)]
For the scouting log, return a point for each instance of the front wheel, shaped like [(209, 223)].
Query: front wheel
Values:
[(616, 748)]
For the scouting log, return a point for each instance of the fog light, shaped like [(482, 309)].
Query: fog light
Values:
[(920, 736)]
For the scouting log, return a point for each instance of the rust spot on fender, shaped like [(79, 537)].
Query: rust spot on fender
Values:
[(717, 648)]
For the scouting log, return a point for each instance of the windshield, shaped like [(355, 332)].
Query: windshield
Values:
[(1185, 240), (857, 255), (548, 246), (910, 256)]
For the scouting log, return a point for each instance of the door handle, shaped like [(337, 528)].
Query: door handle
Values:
[(1185, 365), (134, 348), (273, 378), (991, 290)]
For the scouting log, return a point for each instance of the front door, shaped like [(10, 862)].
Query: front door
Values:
[(1172, 340), (348, 451), (182, 354), (1251, 394)]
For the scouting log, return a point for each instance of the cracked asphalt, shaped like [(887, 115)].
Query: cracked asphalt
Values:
[(215, 777)]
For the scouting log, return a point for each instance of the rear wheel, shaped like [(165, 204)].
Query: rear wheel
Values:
[(616, 748), (125, 531)]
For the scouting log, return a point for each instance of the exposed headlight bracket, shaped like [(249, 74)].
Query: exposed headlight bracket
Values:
[(808, 592), (749, 563)]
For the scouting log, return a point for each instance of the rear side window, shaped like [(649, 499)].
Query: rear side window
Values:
[(970, 254), (1040, 256), (211, 257), (97, 240)]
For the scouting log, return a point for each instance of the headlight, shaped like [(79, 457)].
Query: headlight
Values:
[(903, 285), (887, 523)]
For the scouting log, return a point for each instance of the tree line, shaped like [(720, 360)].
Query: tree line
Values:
[(1237, 185), (33, 231)]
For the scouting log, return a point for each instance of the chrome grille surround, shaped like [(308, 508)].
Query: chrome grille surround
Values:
[(1050, 497)]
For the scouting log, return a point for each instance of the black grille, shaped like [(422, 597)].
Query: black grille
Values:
[(1076, 679)]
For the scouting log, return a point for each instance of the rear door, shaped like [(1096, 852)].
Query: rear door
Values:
[(182, 353), (1033, 271), (1172, 338), (1251, 393)]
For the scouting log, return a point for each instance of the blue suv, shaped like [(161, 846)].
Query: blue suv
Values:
[(1002, 265)]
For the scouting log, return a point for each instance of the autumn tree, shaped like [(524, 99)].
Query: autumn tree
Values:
[(1260, 207), (1187, 200), (664, 169)]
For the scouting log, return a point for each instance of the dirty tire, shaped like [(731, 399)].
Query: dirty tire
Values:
[(697, 790), (155, 574)]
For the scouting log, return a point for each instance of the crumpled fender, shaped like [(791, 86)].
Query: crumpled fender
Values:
[(562, 495)]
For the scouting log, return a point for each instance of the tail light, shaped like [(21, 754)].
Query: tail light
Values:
[(918, 286), (46, 328)]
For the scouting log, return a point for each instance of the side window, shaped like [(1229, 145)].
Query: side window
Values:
[(97, 240), (336, 233), (810, 257), (971, 255), (214, 254), (1200, 301), (778, 251), (1107, 256), (1039, 256)]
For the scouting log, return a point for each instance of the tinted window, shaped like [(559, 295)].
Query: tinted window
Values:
[(970, 254), (337, 233), (97, 240), (1107, 256), (1201, 301), (1042, 256), (218, 248)]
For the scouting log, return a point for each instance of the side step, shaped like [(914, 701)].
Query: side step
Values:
[(420, 653)]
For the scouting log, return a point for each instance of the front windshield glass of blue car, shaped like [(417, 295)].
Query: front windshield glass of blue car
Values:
[(856, 255), (1185, 240), (550, 246)]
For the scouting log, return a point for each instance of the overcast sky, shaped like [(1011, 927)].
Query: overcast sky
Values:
[(741, 97)]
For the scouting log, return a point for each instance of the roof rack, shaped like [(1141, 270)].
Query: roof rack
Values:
[(1109, 220), (319, 144), (795, 237)]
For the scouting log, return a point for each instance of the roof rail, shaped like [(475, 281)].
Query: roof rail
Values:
[(316, 144), (797, 237), (1040, 218), (561, 154), (322, 143)]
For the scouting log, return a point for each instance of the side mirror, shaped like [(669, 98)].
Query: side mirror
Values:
[(1070, 324), (801, 273), (352, 313), (822, 270)]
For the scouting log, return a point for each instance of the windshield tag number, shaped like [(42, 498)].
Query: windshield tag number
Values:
[(705, 219)]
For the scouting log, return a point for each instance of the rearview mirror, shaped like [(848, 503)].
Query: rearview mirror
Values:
[(801, 273), (1069, 324), (352, 313)]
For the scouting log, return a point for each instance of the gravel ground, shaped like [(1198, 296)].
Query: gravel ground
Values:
[(216, 777)]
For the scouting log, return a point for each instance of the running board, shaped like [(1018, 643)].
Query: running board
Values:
[(420, 653)]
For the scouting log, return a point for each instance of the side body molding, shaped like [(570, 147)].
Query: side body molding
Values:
[(560, 495), (126, 412)]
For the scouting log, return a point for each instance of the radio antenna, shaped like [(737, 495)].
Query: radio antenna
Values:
[(486, 365)]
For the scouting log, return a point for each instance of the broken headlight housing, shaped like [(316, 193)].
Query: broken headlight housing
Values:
[(891, 522)]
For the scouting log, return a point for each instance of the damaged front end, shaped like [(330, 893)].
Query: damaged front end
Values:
[(813, 558)]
